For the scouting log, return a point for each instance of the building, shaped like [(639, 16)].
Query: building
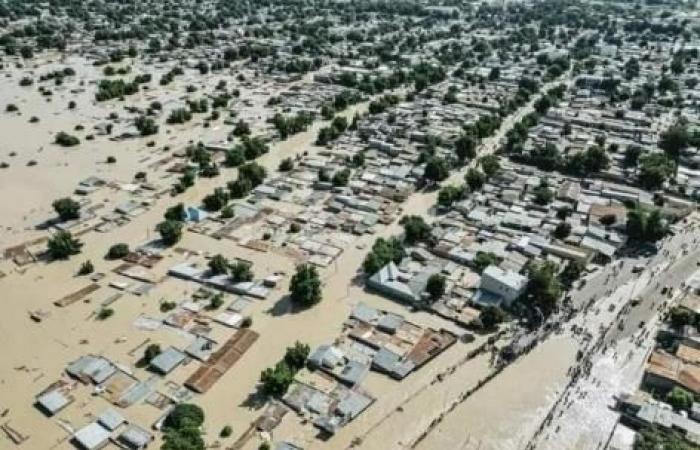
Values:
[(403, 286), (508, 285)]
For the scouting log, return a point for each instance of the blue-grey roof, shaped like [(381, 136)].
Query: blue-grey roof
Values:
[(326, 356), (385, 360), (110, 419), (364, 313), (135, 437), (352, 405), (91, 436), (138, 392), (167, 360), (97, 368), (390, 322), (53, 401), (353, 373), (319, 403)]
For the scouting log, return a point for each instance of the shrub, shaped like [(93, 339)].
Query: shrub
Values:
[(86, 268), (62, 245), (118, 251), (66, 140), (105, 313), (66, 208)]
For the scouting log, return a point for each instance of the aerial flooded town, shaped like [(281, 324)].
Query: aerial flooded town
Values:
[(350, 224)]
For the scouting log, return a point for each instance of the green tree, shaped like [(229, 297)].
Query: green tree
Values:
[(632, 154), (216, 200), (562, 230), (490, 165), (572, 272), (383, 252), (118, 251), (286, 165), (176, 213), (655, 438), (184, 415), (62, 245), (654, 170), (150, 352), (234, 157), (187, 438), (218, 264), (295, 357), (275, 381), (674, 140), (475, 179), (86, 268), (680, 399), (241, 271), (170, 231), (436, 169), (543, 195), (415, 229), (66, 208), (305, 286), (680, 317), (449, 194), (66, 140), (465, 147), (435, 286), (543, 288), (484, 259), (491, 316)]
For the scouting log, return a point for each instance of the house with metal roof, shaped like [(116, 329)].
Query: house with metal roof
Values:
[(135, 438), (110, 419), (506, 284), (91, 437), (89, 367), (167, 361), (53, 401)]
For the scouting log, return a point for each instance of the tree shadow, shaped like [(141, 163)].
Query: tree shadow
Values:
[(255, 400), (284, 306)]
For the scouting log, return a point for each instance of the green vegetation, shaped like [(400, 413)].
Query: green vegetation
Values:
[(182, 428), (415, 229), (86, 268), (170, 232), (66, 208), (436, 169), (105, 313), (383, 252), (275, 381), (655, 438), (118, 251), (66, 140), (484, 259), (218, 265), (305, 286), (543, 288), (435, 286), (62, 245), (646, 226), (491, 316), (146, 125)]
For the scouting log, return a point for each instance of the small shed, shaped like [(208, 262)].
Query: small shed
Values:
[(52, 402), (111, 419)]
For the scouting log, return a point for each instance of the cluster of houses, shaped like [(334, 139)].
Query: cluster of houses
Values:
[(673, 365), (331, 393)]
